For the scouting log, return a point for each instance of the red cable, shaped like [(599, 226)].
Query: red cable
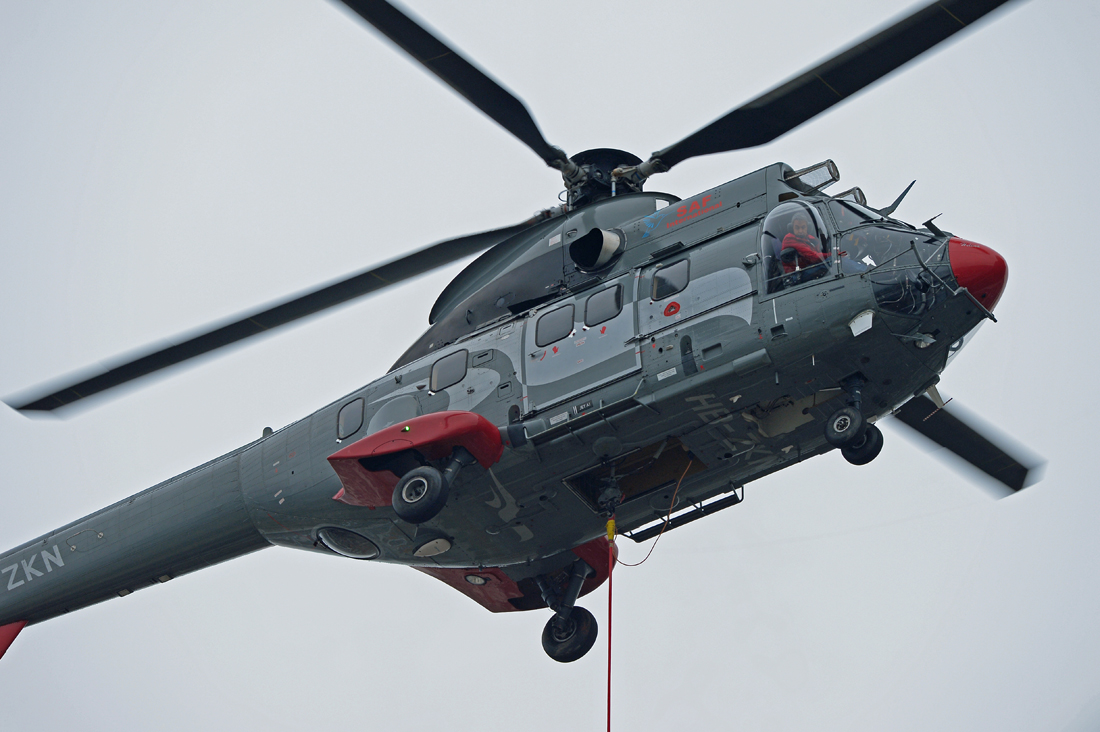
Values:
[(610, 566), (611, 559), (671, 505)]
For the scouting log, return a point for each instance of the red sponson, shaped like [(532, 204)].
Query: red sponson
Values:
[(493, 595), (8, 633), (979, 269), (496, 593), (434, 436)]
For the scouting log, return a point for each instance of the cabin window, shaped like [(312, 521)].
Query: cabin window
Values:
[(553, 326), (350, 419), (667, 281), (449, 370), (795, 246), (604, 305)]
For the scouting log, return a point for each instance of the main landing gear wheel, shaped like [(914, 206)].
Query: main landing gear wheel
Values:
[(567, 640), (866, 448), (420, 495), (845, 427)]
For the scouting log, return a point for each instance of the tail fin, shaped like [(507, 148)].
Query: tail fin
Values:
[(8, 633)]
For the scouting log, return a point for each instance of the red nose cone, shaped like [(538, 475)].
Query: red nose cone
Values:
[(979, 269)]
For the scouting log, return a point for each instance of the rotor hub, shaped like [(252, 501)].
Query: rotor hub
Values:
[(598, 182)]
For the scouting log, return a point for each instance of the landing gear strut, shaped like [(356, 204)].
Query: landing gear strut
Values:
[(846, 424), (572, 631), (859, 442)]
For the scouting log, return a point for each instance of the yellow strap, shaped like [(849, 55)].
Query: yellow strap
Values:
[(611, 530)]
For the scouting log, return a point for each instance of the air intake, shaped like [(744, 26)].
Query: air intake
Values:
[(597, 249)]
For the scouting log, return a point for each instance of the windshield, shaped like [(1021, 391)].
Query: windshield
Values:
[(886, 257), (849, 215)]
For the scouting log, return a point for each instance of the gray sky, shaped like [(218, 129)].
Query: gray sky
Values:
[(167, 165)]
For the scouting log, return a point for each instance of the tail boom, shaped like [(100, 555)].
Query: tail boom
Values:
[(189, 522)]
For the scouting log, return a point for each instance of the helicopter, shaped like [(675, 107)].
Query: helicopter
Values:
[(612, 258)]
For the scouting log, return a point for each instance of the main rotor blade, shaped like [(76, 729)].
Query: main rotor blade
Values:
[(947, 430), (789, 105), (480, 89), (358, 285)]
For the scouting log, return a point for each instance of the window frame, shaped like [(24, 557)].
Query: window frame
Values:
[(539, 343), (619, 298), (653, 279), (340, 432)]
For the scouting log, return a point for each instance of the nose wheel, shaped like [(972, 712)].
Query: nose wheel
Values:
[(859, 442), (844, 428), (866, 448)]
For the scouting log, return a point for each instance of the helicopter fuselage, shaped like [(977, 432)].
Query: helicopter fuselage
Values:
[(698, 356)]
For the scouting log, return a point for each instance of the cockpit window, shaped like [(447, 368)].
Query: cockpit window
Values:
[(885, 256), (849, 215), (795, 246)]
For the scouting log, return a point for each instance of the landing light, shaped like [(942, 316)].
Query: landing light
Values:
[(477, 579)]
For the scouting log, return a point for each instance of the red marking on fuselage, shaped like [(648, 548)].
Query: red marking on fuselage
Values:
[(696, 208), (672, 308)]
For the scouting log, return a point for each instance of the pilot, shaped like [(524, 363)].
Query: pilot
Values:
[(800, 249)]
